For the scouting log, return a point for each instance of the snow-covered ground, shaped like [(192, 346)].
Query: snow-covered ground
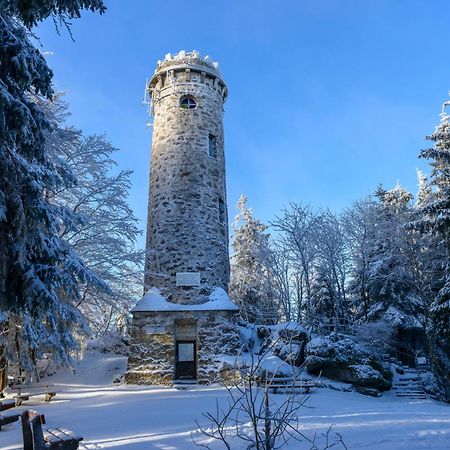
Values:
[(136, 417)]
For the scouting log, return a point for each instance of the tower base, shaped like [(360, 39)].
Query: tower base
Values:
[(183, 343)]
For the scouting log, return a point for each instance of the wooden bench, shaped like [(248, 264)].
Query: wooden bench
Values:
[(289, 384), (7, 404), (6, 418), (21, 396), (35, 438)]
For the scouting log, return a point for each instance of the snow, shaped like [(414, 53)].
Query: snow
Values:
[(218, 300), (138, 418)]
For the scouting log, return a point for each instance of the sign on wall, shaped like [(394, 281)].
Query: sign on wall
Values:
[(188, 279), (161, 329)]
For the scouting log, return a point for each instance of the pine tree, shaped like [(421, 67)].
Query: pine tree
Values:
[(392, 282), (251, 284), (435, 220), (39, 271), (424, 190), (323, 298)]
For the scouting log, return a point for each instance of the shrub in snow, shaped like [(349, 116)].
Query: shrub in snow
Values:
[(430, 385), (341, 358)]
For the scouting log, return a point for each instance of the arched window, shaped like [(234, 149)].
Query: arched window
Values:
[(188, 102), (221, 210)]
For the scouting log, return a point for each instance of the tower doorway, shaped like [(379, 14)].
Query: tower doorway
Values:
[(185, 349), (186, 361)]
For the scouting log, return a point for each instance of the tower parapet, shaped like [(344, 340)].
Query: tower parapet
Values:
[(182, 69)]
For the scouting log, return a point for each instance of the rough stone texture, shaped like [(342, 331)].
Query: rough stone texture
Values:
[(152, 356), (184, 232)]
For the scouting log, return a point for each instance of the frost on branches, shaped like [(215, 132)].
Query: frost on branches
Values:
[(106, 237), (435, 218), (434, 223), (39, 271), (250, 285)]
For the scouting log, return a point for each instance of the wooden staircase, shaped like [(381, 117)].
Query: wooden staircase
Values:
[(409, 385)]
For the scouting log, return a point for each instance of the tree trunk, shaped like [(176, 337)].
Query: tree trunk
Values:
[(267, 423)]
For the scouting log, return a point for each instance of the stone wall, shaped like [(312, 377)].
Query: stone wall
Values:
[(184, 232), (152, 355)]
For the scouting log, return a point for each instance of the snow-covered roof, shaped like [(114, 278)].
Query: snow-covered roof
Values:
[(218, 300)]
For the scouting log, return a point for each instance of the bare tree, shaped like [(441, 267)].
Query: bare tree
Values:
[(253, 416), (359, 223), (298, 227), (279, 262), (334, 262), (108, 230)]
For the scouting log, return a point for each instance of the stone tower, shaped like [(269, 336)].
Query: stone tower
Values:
[(185, 321), (187, 230)]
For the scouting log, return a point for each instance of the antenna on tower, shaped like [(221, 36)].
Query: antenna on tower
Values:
[(147, 100)]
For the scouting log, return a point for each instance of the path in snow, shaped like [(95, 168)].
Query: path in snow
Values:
[(135, 417)]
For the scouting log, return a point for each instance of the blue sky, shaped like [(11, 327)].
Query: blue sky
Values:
[(326, 98)]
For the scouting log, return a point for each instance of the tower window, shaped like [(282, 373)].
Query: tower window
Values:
[(188, 102), (221, 210), (212, 146)]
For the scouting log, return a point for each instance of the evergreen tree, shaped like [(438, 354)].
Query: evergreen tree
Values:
[(251, 284), (323, 298), (424, 190), (434, 220), (39, 271), (392, 262)]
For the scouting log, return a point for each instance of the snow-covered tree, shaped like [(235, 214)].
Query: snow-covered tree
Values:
[(334, 262), (39, 271), (393, 261), (298, 233), (322, 301), (435, 220), (424, 189), (282, 278), (251, 283), (359, 225), (106, 239)]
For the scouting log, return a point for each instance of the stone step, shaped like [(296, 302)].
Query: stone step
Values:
[(402, 391), (184, 384), (407, 388), (418, 396)]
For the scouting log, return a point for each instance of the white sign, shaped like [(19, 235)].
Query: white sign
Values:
[(155, 329), (188, 279)]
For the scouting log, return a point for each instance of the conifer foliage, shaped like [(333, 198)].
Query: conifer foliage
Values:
[(435, 220), (39, 271), (251, 283)]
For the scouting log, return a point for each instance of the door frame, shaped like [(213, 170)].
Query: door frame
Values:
[(185, 341)]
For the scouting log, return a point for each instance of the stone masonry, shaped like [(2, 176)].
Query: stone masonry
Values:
[(181, 326), (152, 358), (184, 232)]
